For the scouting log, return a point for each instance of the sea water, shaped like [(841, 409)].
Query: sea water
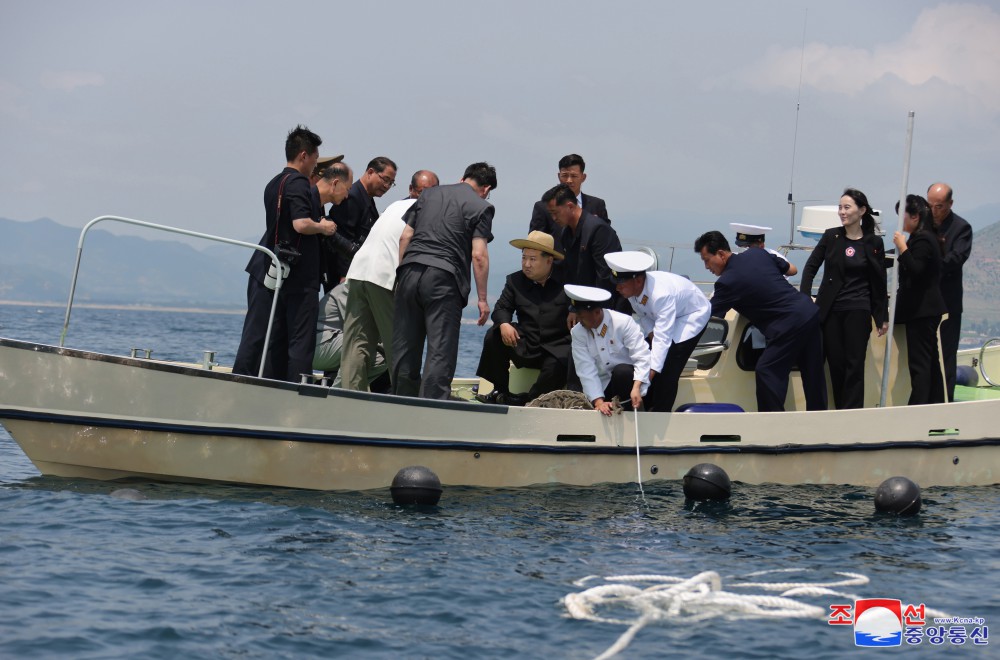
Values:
[(225, 571)]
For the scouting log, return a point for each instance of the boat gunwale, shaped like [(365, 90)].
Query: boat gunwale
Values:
[(305, 389)]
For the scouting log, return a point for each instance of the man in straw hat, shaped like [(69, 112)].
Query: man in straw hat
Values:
[(611, 357), (540, 338), (673, 314)]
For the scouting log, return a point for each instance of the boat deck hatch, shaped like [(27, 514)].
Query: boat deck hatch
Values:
[(566, 437), (720, 438)]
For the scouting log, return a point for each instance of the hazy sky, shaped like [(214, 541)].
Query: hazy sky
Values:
[(176, 112)]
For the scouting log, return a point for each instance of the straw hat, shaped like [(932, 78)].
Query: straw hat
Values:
[(538, 240)]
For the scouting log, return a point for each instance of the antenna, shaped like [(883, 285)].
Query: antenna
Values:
[(795, 136)]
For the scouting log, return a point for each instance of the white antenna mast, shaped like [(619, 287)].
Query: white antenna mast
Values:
[(795, 137)]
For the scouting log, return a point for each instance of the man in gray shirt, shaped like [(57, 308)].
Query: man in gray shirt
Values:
[(447, 232)]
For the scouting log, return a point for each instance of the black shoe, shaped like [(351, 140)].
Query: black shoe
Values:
[(516, 399), (495, 398)]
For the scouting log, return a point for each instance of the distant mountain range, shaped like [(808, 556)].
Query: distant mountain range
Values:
[(38, 257)]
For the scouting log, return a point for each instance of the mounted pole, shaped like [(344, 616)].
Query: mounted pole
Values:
[(894, 286)]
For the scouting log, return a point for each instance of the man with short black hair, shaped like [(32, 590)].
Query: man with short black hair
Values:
[(355, 217), (585, 241), (447, 231), (293, 219), (955, 237), (571, 173), (753, 283)]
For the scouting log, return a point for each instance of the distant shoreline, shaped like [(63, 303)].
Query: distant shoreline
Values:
[(139, 308), (151, 308)]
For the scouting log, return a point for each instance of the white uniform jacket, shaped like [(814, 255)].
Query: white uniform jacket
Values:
[(618, 340), (377, 259), (673, 309)]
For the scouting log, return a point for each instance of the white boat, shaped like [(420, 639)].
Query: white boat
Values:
[(90, 415)]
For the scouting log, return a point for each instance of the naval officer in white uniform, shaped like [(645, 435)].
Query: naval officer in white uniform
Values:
[(673, 314), (611, 357)]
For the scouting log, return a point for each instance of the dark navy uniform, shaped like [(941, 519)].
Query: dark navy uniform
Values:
[(753, 284)]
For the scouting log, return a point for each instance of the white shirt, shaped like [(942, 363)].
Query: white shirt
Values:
[(618, 340), (377, 259), (673, 309)]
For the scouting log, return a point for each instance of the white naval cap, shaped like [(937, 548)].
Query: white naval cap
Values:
[(586, 297), (747, 234), (627, 265)]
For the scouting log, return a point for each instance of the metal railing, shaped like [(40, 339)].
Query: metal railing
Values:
[(184, 232), (982, 360)]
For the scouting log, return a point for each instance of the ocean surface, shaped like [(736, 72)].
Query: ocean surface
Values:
[(240, 572)]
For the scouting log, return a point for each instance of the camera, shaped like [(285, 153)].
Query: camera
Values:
[(287, 253)]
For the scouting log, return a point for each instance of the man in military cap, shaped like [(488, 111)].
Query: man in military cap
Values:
[(611, 357), (321, 164), (673, 314), (539, 338), (748, 236)]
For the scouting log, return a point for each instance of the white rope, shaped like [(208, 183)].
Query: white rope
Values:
[(701, 597), (638, 464)]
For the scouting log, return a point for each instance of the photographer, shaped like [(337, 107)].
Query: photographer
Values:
[(293, 222)]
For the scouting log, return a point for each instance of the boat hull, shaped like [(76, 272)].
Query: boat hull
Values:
[(80, 414)]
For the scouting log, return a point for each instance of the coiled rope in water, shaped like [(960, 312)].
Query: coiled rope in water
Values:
[(701, 597)]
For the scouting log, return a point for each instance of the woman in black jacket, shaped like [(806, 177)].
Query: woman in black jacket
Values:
[(851, 292), (919, 303)]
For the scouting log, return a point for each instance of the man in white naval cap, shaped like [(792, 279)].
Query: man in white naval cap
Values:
[(611, 357), (673, 314), (748, 236)]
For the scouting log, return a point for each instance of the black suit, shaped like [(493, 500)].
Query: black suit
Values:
[(354, 217), (584, 251), (919, 305), (955, 237), (542, 221), (544, 338), (846, 332)]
